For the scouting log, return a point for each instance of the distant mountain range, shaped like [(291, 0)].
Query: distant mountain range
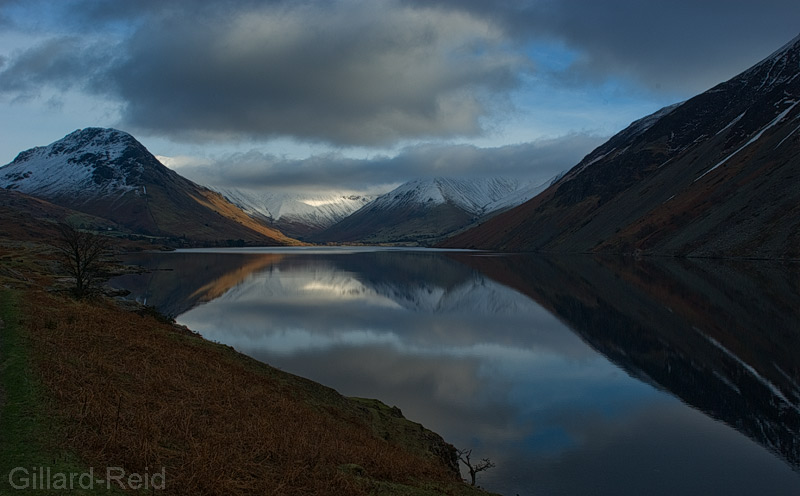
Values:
[(714, 176), (108, 174), (418, 211), (296, 214), (717, 175), (424, 210)]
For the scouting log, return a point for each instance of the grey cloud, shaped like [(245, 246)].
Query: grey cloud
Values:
[(682, 46), (354, 76), (538, 160), (675, 46), (371, 73), (61, 62), (348, 73)]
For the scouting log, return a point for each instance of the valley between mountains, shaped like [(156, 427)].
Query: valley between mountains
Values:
[(96, 379), (714, 176)]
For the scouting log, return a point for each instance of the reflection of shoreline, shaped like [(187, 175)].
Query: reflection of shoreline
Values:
[(480, 360), (721, 339), (178, 282), (181, 280), (225, 282)]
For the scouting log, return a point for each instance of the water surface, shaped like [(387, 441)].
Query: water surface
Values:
[(573, 375)]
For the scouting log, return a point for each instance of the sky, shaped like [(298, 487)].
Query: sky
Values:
[(360, 95)]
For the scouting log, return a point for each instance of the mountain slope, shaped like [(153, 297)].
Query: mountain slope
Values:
[(108, 173), (423, 210), (714, 176), (298, 215), (27, 218)]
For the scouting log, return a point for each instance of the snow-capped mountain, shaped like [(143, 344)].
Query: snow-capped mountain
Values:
[(423, 210), (296, 214), (713, 176), (85, 164), (474, 196), (108, 173)]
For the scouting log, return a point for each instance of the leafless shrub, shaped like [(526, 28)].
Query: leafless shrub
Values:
[(476, 467)]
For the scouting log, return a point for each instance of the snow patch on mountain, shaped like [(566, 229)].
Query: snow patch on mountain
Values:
[(475, 196), (635, 129), (88, 162), (317, 210), (755, 138), (782, 67), (640, 126), (522, 195)]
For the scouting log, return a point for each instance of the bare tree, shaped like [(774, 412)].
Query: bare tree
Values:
[(474, 468), (82, 253)]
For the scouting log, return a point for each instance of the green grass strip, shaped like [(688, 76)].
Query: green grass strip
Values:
[(30, 462)]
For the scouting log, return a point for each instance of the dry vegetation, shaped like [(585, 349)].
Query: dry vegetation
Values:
[(137, 393), (126, 389)]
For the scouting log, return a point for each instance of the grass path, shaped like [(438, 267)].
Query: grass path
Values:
[(31, 434)]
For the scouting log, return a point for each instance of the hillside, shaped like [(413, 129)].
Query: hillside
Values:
[(24, 217), (100, 384), (107, 173), (425, 210), (714, 176)]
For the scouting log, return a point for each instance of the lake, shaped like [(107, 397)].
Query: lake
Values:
[(574, 375)]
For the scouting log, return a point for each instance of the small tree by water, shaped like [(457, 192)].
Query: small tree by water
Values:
[(82, 254), (474, 467)]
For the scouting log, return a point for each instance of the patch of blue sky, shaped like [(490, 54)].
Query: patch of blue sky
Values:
[(538, 388)]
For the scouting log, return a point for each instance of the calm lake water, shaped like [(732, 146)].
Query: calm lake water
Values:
[(575, 375)]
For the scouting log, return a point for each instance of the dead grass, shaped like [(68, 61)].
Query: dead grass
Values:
[(139, 394)]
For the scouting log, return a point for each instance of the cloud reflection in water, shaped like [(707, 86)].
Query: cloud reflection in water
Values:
[(488, 368)]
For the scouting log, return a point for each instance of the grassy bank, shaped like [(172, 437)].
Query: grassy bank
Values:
[(30, 430), (88, 384)]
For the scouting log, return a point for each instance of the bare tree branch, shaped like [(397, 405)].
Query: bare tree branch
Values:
[(485, 464)]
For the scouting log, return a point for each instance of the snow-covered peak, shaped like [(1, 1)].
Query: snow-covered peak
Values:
[(316, 210), (87, 162), (475, 196)]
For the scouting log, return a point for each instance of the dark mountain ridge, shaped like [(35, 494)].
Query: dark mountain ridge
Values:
[(716, 175), (719, 334)]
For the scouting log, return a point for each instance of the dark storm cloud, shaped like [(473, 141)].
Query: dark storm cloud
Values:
[(349, 73), (369, 72), (352, 76), (683, 46), (60, 62), (538, 160), (677, 46)]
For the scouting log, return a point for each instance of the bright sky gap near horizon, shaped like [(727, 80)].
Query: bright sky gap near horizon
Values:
[(356, 95)]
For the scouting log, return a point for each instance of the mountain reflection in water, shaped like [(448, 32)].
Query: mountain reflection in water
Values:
[(575, 375)]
